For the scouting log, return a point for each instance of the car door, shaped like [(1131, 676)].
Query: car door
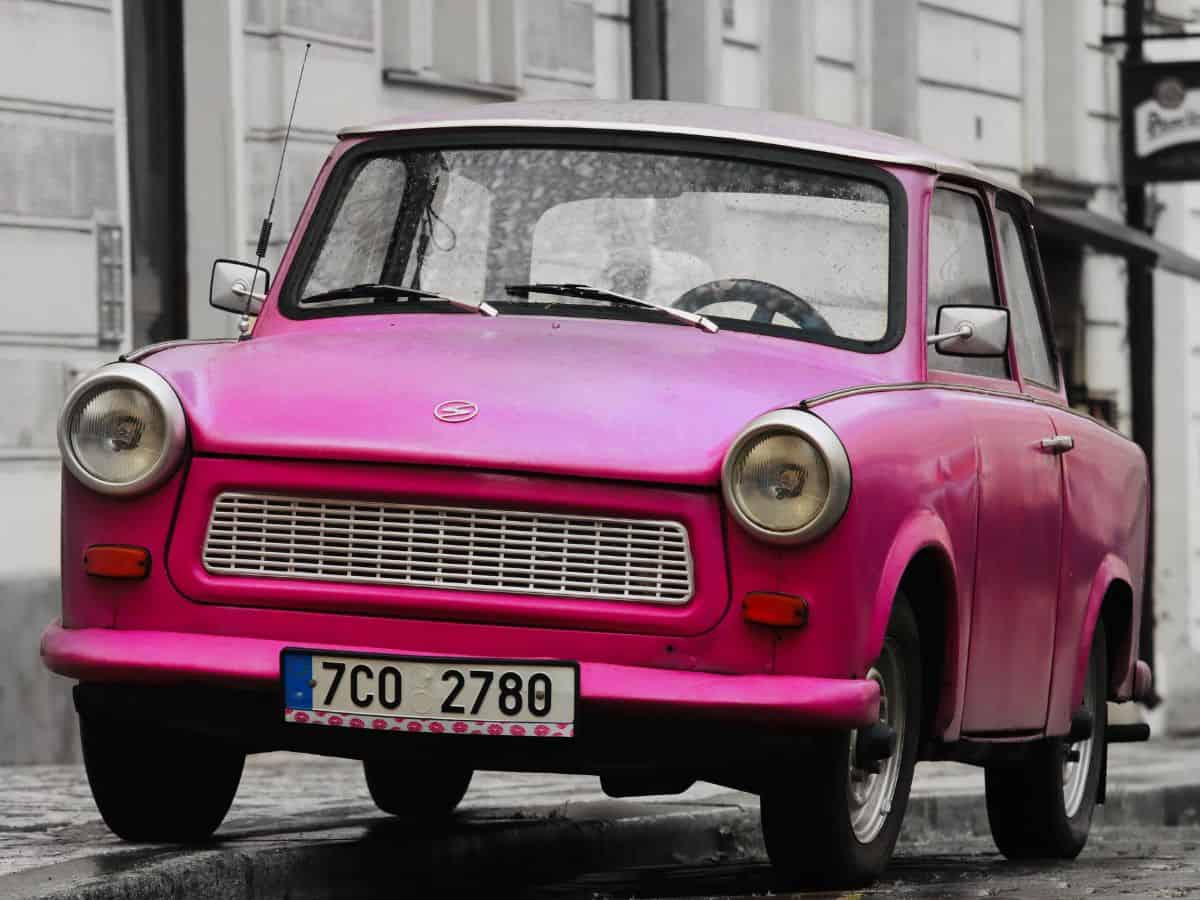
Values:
[(1019, 490), (1093, 468)]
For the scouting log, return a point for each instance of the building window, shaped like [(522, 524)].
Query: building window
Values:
[(347, 22), (742, 60), (464, 45), (110, 280), (560, 39)]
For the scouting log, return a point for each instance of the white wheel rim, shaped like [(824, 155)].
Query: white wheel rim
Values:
[(870, 794), (1075, 772)]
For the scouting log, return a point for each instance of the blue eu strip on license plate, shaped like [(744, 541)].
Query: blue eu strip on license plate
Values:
[(297, 680)]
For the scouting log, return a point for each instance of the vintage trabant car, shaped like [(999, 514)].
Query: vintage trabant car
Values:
[(654, 441)]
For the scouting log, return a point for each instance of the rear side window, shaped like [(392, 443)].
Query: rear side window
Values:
[(960, 274), (1028, 326)]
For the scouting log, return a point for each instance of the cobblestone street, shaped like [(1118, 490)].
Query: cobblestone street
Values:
[(1144, 862), (294, 812)]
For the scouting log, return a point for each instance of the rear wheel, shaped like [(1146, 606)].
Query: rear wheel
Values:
[(1041, 808), (155, 785), (429, 794), (829, 820)]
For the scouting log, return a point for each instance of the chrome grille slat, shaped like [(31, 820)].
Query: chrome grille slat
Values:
[(380, 546), (501, 534), (647, 548), (435, 559), (457, 548)]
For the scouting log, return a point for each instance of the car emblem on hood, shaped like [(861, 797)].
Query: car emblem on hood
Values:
[(456, 411)]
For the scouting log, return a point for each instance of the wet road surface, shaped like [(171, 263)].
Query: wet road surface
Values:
[(1126, 862)]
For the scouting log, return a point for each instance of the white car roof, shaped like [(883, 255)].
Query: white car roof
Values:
[(696, 119)]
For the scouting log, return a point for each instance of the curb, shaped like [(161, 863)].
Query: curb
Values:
[(394, 858), (966, 814)]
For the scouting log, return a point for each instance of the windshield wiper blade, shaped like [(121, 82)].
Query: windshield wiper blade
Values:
[(378, 290), (587, 292)]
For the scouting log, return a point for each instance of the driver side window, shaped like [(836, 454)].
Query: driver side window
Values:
[(960, 274)]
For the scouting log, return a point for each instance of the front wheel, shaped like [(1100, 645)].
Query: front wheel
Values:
[(1041, 807), (156, 785), (829, 820)]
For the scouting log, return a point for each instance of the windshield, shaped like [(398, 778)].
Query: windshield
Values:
[(749, 245)]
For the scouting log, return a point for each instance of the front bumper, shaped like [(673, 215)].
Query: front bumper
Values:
[(163, 658)]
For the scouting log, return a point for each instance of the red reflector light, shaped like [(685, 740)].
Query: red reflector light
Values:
[(781, 610), (116, 561)]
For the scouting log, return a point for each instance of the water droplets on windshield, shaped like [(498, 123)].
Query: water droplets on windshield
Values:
[(651, 225)]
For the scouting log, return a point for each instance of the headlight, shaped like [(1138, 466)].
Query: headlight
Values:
[(787, 477), (122, 430)]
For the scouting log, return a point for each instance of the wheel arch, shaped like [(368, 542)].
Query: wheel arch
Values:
[(1110, 600), (921, 563)]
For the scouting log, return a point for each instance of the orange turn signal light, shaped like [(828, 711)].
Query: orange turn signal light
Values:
[(780, 610), (116, 561)]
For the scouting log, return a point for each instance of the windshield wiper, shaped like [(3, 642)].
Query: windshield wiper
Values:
[(587, 292), (391, 291)]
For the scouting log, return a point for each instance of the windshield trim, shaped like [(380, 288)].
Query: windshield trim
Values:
[(508, 137)]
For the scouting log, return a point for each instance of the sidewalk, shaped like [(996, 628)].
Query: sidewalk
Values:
[(300, 821)]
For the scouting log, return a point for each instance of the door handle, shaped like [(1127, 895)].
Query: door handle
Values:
[(1058, 444)]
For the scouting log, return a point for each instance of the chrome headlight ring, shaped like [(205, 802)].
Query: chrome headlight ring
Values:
[(822, 440), (162, 399)]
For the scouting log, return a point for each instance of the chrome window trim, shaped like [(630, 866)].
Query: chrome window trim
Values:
[(124, 374), (822, 437), (681, 586)]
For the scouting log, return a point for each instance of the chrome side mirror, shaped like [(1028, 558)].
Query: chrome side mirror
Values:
[(238, 287), (971, 331)]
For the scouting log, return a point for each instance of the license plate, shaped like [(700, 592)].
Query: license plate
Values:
[(434, 696)]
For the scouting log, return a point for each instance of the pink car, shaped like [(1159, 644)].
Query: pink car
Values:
[(655, 441)]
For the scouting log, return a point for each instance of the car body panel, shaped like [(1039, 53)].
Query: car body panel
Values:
[(699, 511), (924, 531), (1014, 608), (90, 518), (916, 487), (156, 657), (558, 396), (1106, 511)]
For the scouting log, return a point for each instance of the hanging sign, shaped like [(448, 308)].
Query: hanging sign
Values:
[(1160, 116)]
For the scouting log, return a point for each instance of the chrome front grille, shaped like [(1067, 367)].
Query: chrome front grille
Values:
[(450, 547)]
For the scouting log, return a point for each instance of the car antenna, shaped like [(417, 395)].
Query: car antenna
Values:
[(264, 232)]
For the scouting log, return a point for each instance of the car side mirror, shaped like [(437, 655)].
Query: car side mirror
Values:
[(971, 331), (238, 287)]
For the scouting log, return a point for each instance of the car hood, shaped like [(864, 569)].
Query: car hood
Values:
[(589, 397)]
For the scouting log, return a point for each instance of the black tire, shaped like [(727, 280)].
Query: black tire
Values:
[(152, 785), (431, 795), (1026, 803), (809, 813)]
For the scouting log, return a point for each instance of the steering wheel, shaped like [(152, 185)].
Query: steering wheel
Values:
[(768, 299)]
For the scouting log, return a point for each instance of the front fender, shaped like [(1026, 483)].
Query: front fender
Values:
[(924, 530)]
